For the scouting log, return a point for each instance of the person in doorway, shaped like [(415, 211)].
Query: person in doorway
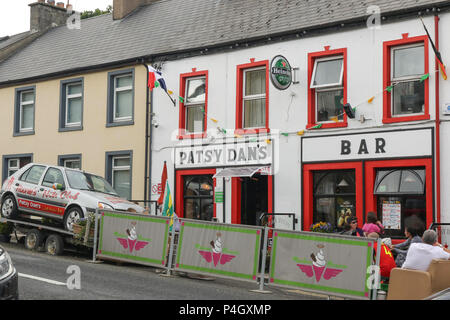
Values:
[(420, 255), (413, 231), (372, 224), (351, 228)]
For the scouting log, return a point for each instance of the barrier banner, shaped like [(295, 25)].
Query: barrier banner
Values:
[(135, 238), (230, 251), (323, 263)]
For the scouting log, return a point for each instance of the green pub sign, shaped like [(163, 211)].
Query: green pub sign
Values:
[(280, 72)]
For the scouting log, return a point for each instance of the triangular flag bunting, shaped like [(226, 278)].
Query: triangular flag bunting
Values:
[(424, 77), (301, 132), (371, 100)]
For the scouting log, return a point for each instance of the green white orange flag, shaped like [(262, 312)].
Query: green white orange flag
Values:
[(167, 210)]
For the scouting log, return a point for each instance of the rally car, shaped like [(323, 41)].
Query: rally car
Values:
[(59, 193)]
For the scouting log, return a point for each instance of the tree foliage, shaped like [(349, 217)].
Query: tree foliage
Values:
[(97, 12)]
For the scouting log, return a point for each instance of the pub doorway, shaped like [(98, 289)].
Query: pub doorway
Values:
[(253, 198)]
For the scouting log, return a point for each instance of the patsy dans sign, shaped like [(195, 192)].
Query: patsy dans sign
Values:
[(224, 155)]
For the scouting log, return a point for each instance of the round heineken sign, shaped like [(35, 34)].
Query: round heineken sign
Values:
[(280, 72)]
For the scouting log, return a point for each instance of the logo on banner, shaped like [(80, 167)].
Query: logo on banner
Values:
[(216, 253), (317, 266), (132, 241)]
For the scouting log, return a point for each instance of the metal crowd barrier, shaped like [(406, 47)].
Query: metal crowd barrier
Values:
[(329, 264)]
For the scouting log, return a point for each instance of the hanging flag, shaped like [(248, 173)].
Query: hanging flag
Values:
[(156, 80), (168, 205), (163, 184), (436, 52), (424, 77), (371, 100)]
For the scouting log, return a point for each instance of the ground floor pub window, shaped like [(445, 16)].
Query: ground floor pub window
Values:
[(198, 197), (400, 194), (334, 197)]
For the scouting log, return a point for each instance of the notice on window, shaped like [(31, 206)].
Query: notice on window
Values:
[(391, 214)]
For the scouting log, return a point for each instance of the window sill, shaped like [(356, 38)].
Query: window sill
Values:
[(406, 118), (242, 131), (188, 136), (119, 124), (66, 129), (20, 134), (341, 124)]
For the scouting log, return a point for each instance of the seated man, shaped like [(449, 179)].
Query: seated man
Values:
[(419, 255)]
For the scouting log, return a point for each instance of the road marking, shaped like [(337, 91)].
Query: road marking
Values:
[(42, 279)]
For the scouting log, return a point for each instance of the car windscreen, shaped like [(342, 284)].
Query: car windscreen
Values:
[(85, 181)]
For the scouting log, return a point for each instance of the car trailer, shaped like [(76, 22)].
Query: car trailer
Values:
[(39, 234)]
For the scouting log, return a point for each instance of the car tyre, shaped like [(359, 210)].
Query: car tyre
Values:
[(54, 245), (72, 215), (9, 207), (34, 239)]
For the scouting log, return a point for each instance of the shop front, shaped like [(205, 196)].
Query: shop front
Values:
[(228, 182), (387, 172)]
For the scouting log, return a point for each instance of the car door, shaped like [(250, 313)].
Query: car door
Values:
[(50, 192), (27, 189)]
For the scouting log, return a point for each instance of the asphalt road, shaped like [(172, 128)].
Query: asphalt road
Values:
[(44, 277)]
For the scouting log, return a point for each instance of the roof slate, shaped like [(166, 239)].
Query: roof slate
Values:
[(177, 25)]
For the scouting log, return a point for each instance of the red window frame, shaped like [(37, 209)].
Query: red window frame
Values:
[(240, 95), (179, 180), (308, 183), (387, 96), (370, 171), (236, 188), (312, 57), (182, 115)]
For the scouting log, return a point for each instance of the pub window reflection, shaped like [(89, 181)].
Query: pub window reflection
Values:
[(400, 194), (198, 197), (334, 197)]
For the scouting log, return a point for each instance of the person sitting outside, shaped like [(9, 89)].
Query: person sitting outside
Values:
[(372, 224), (352, 229), (387, 262), (420, 255), (413, 231)]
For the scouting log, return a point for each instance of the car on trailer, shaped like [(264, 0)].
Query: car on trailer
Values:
[(9, 288), (58, 193)]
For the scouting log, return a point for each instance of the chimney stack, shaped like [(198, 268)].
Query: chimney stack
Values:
[(121, 8), (43, 15)]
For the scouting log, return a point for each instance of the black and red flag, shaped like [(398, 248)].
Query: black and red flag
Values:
[(437, 53)]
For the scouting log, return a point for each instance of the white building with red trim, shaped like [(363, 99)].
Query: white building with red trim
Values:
[(321, 165)]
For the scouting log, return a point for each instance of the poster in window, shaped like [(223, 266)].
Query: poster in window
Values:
[(344, 209), (391, 214)]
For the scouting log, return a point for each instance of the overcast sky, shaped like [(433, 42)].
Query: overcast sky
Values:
[(15, 14)]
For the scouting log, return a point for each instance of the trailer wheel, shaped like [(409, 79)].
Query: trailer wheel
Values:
[(34, 239), (54, 245)]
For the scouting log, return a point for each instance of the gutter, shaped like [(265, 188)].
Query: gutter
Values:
[(148, 138), (438, 124)]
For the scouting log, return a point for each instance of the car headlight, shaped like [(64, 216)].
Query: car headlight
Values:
[(6, 266), (102, 205)]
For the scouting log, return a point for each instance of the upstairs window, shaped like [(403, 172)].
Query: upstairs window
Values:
[(252, 111), (71, 105), (24, 111), (405, 92), (327, 88), (194, 106), (120, 98)]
